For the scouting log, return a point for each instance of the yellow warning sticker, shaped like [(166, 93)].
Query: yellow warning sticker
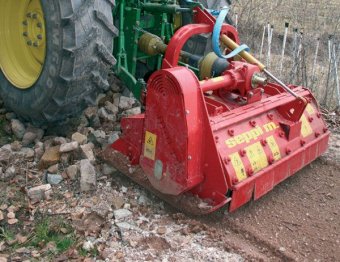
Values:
[(310, 110), (257, 157), (306, 129), (238, 166), (274, 147), (150, 145)]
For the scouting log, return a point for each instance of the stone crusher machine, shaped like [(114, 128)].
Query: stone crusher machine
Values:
[(221, 135)]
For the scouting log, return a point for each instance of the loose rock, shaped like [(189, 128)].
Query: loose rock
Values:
[(80, 138), (126, 102), (72, 172), (121, 213), (108, 170), (31, 135), (53, 169), (111, 108), (88, 179), (133, 111), (18, 128), (39, 193), (5, 155), (54, 179), (68, 147), (87, 153), (50, 157)]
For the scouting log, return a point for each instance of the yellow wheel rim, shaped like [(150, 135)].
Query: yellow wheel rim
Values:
[(22, 41)]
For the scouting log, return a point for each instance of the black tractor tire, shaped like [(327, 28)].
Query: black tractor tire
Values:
[(79, 57)]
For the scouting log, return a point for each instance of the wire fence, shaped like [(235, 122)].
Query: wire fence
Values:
[(299, 60), (305, 51)]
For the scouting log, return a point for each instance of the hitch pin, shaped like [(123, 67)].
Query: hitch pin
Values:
[(252, 60)]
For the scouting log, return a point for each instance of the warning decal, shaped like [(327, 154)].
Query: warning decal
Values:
[(310, 109), (306, 129), (150, 145), (257, 157), (238, 166), (274, 148)]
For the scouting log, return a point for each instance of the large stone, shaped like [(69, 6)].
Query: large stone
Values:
[(68, 147), (88, 179), (87, 152), (32, 134), (72, 172), (54, 179), (80, 138), (40, 193), (18, 128), (50, 157)]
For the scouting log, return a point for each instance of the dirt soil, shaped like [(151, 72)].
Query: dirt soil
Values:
[(297, 221)]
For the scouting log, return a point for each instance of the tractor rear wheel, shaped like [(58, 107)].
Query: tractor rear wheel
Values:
[(55, 56)]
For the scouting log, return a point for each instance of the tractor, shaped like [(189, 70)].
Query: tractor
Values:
[(217, 127)]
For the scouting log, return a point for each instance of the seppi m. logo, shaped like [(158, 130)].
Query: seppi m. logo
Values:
[(251, 135)]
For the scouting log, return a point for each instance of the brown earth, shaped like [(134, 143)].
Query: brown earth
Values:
[(297, 221)]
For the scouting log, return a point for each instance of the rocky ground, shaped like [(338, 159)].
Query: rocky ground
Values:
[(59, 202)]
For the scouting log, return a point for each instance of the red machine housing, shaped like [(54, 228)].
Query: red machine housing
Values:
[(220, 139)]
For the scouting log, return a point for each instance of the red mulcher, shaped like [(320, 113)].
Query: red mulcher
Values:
[(224, 140)]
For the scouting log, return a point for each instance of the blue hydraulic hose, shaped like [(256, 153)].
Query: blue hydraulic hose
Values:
[(216, 37)]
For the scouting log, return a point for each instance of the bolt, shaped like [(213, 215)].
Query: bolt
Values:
[(231, 132), (25, 22), (251, 94), (36, 44), (271, 160), (29, 42), (270, 116), (187, 112), (252, 123), (25, 34), (310, 119), (39, 37), (243, 152), (318, 114), (282, 134), (325, 129), (288, 151), (235, 180), (226, 160), (264, 142), (189, 157), (29, 15), (250, 171), (34, 16), (39, 25), (302, 142), (317, 134), (262, 91)]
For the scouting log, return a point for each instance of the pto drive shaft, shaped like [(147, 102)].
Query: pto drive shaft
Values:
[(252, 60)]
